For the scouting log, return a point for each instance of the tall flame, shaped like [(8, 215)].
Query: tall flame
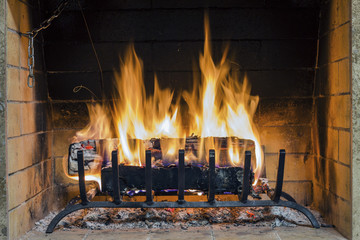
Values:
[(220, 105)]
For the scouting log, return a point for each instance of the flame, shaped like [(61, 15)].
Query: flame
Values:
[(220, 105)]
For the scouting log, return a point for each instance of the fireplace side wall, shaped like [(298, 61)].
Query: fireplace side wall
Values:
[(332, 135), (29, 136), (3, 211)]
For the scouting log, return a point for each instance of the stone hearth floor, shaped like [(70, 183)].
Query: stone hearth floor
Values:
[(204, 233)]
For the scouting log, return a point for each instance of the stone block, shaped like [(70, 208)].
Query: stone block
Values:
[(345, 147), (13, 119), (29, 182), (296, 139), (298, 167), (13, 48)]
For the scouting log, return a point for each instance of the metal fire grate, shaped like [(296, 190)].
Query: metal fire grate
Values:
[(181, 203)]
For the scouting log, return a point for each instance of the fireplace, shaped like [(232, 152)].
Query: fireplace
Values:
[(294, 54)]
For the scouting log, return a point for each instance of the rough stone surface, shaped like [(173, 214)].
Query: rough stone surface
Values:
[(3, 214), (214, 233), (355, 119)]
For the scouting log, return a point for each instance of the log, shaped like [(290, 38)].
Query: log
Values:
[(228, 179)]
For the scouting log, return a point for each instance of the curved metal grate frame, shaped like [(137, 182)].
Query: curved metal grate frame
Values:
[(181, 203)]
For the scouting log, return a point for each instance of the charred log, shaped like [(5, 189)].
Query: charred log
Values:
[(228, 179)]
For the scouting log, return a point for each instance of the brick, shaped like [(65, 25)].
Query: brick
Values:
[(23, 218), (13, 14), (335, 210), (13, 84), (328, 78), (295, 139), (333, 176), (25, 18), (328, 143), (333, 14), (22, 153), (298, 167), (344, 147), (344, 76), (27, 183), (335, 45), (281, 112), (28, 121), (24, 43), (27, 94), (13, 119), (334, 111), (62, 140), (12, 48)]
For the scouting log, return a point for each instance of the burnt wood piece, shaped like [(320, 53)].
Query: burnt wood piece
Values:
[(227, 179)]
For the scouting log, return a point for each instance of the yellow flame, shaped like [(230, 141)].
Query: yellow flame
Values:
[(220, 105)]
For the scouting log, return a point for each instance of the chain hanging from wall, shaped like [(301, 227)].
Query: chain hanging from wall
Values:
[(32, 34)]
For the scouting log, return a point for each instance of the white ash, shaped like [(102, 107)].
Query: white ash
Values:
[(154, 218)]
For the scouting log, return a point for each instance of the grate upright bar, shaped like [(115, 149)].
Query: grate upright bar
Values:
[(81, 172), (280, 177), (148, 177), (211, 193), (246, 178), (181, 176), (115, 177)]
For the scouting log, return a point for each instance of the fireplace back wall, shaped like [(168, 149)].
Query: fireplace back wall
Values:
[(274, 42)]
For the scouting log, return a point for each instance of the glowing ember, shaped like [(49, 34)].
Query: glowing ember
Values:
[(220, 105)]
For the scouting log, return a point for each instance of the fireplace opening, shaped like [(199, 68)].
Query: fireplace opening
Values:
[(175, 106)]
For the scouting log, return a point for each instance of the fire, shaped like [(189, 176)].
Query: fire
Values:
[(220, 105)]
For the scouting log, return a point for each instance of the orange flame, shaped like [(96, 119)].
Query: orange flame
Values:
[(219, 106)]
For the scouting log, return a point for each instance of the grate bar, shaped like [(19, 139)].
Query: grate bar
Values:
[(181, 176), (280, 176), (211, 193), (246, 178), (148, 177), (115, 177), (81, 173)]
